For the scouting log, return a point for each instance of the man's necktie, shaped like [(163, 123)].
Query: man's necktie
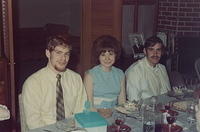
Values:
[(60, 111)]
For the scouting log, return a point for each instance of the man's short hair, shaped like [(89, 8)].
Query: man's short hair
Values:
[(57, 40), (150, 42)]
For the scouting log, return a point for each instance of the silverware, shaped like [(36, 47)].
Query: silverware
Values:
[(131, 116), (75, 129), (46, 130)]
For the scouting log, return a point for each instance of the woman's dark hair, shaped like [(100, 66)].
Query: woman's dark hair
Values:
[(103, 43), (56, 40)]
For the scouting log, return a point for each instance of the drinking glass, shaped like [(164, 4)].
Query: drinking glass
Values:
[(66, 124), (167, 107), (170, 119), (141, 106), (149, 121), (191, 113), (119, 119)]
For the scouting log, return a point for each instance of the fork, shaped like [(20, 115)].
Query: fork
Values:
[(47, 130)]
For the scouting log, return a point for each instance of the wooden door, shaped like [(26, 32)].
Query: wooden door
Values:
[(99, 17)]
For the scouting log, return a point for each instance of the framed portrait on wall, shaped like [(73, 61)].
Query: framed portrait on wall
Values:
[(163, 37), (137, 43)]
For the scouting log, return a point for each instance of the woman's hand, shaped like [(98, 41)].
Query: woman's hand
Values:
[(93, 109), (106, 113)]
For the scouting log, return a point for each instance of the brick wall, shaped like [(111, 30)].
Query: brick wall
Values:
[(179, 16)]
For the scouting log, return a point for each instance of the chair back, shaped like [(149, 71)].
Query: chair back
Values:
[(197, 67), (24, 127)]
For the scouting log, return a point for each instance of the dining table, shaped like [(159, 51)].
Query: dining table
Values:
[(135, 124)]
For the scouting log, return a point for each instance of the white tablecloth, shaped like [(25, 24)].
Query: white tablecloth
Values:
[(135, 124)]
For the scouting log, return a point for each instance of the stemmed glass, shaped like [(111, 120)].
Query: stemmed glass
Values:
[(168, 107), (170, 119), (119, 120)]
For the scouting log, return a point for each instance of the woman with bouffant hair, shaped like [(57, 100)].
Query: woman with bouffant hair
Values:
[(105, 83)]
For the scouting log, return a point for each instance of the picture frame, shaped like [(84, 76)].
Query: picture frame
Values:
[(163, 37), (137, 44), (136, 38)]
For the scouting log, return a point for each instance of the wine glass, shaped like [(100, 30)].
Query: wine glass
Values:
[(119, 119), (170, 119), (167, 107)]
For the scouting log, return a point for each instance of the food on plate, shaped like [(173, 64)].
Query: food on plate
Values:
[(131, 106), (178, 91), (181, 105), (122, 110), (189, 90), (127, 107)]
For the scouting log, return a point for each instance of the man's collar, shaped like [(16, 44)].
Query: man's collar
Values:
[(148, 64), (54, 72)]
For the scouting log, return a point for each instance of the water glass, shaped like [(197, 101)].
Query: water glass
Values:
[(148, 121), (67, 124), (170, 119), (191, 113)]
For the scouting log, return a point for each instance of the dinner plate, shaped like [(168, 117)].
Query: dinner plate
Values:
[(132, 114), (171, 112), (174, 128), (176, 95), (122, 128), (123, 110), (181, 105)]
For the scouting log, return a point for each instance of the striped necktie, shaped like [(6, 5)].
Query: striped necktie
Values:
[(60, 111)]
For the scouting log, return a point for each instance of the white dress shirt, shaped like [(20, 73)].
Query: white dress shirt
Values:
[(39, 96), (144, 81)]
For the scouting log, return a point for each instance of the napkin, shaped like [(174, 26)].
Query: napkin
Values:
[(4, 113)]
